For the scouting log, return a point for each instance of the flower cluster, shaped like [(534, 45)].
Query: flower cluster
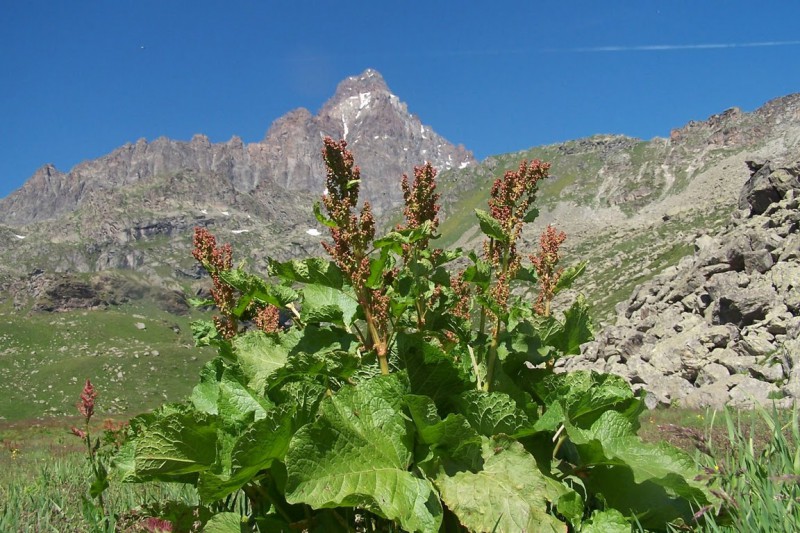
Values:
[(351, 234), (510, 198), (267, 319), (420, 198), (352, 237), (463, 295), (85, 407), (509, 201), (545, 264), (216, 260)]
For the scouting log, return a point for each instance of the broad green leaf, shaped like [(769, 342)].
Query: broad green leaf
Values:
[(570, 506), (607, 521), (568, 276), (226, 523), (395, 239), (326, 304), (509, 494), (178, 443), (431, 372), (493, 413), (551, 419), (305, 396), (318, 339), (479, 273), (586, 395), (358, 453), (440, 276), (204, 333), (281, 296), (300, 365), (391, 242), (237, 404), (206, 393), (522, 346), (490, 226), (260, 355), (312, 270), (648, 503), (254, 288), (123, 464), (100, 482), (222, 391), (577, 328), (611, 441), (377, 267), (422, 268), (263, 442), (517, 315), (453, 439)]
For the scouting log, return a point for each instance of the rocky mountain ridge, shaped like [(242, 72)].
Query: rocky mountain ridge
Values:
[(723, 326), (387, 140)]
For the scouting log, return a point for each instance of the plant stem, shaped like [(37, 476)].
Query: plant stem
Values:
[(482, 322), (492, 357), (475, 368)]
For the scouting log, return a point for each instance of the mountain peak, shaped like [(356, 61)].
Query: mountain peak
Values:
[(368, 81)]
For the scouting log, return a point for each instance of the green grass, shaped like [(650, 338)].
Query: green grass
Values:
[(751, 459), (45, 358), (44, 476)]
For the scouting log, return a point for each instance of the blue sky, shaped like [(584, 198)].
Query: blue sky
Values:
[(82, 78)]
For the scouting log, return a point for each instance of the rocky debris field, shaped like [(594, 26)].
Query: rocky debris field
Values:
[(723, 326)]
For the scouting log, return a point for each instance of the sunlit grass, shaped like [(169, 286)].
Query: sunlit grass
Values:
[(44, 477)]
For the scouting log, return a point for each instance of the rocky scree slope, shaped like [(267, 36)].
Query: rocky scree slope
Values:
[(723, 326), (634, 207)]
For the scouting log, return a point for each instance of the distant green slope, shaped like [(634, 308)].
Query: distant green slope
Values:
[(45, 358)]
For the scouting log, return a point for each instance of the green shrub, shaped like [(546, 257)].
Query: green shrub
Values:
[(406, 395)]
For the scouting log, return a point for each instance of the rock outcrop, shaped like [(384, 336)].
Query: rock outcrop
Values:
[(57, 292), (723, 326)]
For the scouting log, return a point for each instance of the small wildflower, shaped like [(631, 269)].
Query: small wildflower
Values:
[(86, 405), (157, 525)]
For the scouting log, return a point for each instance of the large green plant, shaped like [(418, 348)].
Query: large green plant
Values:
[(382, 388)]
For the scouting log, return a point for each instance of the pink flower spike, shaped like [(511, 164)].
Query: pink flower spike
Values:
[(86, 405)]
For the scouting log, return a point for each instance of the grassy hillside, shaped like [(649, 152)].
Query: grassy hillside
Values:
[(45, 358)]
